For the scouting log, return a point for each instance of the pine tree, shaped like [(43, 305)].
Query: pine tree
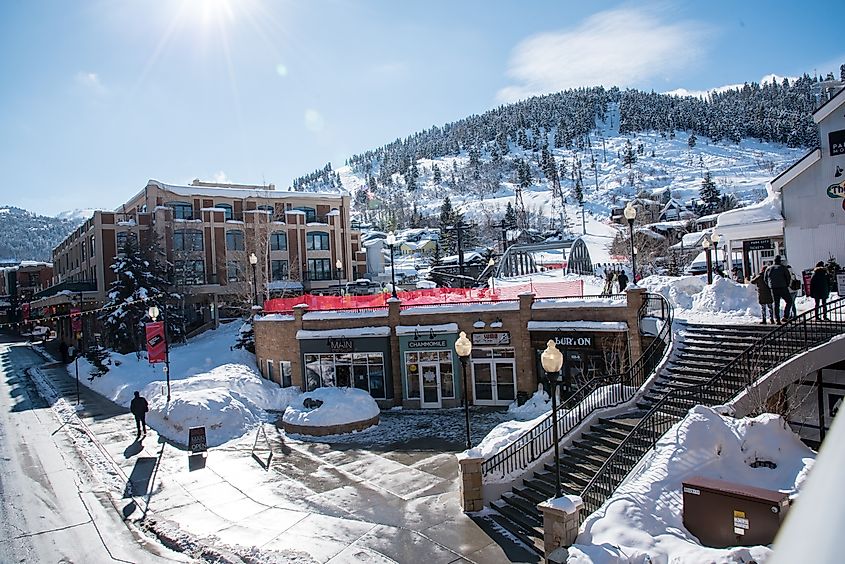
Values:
[(438, 176), (709, 193), (691, 141), (628, 155), (509, 221), (448, 218)]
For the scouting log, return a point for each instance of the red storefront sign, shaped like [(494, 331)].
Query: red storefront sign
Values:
[(156, 345), (76, 320)]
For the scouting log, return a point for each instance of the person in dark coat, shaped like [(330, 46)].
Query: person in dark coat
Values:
[(820, 288), (622, 280), (63, 350), (777, 279), (139, 408), (764, 296)]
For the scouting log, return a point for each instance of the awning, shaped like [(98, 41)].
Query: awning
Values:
[(344, 333)]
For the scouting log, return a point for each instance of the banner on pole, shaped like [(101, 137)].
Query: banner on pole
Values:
[(76, 320), (156, 346)]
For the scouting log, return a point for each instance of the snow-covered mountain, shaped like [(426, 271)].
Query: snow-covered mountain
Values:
[(28, 236), (77, 215)]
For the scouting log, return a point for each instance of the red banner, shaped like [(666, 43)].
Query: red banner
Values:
[(76, 320), (156, 345)]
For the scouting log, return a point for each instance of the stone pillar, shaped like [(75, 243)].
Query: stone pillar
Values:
[(393, 309), (635, 298), (472, 489), (561, 519), (526, 377)]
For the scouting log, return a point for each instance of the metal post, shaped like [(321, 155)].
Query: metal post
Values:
[(254, 286), (76, 367), (633, 256), (466, 399), (819, 385), (709, 266), (392, 272), (553, 385), (167, 347)]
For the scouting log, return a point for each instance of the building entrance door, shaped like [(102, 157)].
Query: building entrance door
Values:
[(430, 385), (494, 381)]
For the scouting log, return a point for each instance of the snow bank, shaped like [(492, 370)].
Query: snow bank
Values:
[(211, 385), (536, 406), (694, 300), (340, 407), (643, 520)]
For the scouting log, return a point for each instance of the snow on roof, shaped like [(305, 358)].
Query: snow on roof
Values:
[(350, 332), (275, 317), (568, 302), (239, 193), (460, 308), (767, 210), (413, 329), (343, 314), (30, 263), (285, 285), (577, 325)]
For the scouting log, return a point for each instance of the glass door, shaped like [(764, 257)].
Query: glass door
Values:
[(430, 385), (482, 379), (505, 381)]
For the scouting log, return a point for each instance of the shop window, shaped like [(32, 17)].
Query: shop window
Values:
[(235, 240), (227, 210), (360, 370), (278, 270), (447, 376), (181, 210), (447, 379), (278, 241), (317, 241), (187, 240)]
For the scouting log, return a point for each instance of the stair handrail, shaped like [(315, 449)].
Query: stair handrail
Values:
[(645, 434), (535, 442)]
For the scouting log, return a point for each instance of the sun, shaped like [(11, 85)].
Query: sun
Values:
[(209, 13)]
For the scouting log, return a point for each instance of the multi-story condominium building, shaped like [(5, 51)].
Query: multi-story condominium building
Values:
[(301, 241)]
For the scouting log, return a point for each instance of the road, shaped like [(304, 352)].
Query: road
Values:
[(53, 508)]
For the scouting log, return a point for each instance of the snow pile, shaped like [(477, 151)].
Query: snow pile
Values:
[(340, 407), (694, 300), (726, 296), (211, 385), (643, 520), (538, 405)]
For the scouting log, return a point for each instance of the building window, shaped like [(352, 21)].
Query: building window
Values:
[(182, 210), (269, 369), (234, 272), (364, 371), (310, 213), (82, 248), (92, 246), (227, 210), (285, 372), (278, 270), (189, 272), (122, 238), (235, 240), (187, 240), (278, 241), (316, 241), (319, 269), (265, 208)]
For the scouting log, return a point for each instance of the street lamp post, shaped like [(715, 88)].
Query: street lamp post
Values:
[(706, 245), (391, 242), (552, 360), (154, 313), (339, 267), (490, 264), (253, 260), (631, 214), (463, 347), (714, 240)]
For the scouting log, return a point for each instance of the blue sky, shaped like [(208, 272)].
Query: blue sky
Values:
[(96, 97)]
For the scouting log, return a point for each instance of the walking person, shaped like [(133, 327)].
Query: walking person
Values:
[(764, 296), (139, 408), (622, 280), (794, 286), (820, 289), (777, 279)]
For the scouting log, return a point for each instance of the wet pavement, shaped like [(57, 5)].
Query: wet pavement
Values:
[(385, 495)]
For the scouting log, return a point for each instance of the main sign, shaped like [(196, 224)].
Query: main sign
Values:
[(836, 140)]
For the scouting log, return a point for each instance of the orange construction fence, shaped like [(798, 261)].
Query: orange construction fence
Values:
[(430, 296)]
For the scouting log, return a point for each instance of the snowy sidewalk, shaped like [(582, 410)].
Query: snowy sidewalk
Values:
[(316, 502)]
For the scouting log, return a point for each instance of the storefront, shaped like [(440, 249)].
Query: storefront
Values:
[(493, 368), (590, 349), (429, 365), (358, 357)]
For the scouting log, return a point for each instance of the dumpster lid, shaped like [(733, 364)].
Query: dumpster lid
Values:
[(740, 490)]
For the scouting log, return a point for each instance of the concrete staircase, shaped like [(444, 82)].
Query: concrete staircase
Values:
[(699, 354)]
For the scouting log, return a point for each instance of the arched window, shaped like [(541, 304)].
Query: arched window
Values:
[(235, 240), (227, 210), (181, 210), (317, 241), (187, 240), (278, 241)]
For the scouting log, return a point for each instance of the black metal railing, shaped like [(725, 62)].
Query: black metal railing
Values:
[(598, 393), (781, 344)]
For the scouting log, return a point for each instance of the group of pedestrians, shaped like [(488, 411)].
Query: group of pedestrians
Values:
[(611, 277), (778, 282)]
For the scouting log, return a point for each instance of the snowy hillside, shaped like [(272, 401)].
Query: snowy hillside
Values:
[(29, 236)]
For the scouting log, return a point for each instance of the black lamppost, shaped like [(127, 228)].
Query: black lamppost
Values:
[(552, 360), (253, 260), (339, 267), (463, 347), (154, 313), (490, 264), (391, 242), (714, 240), (705, 243), (631, 214)]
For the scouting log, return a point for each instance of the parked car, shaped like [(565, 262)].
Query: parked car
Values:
[(362, 287)]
